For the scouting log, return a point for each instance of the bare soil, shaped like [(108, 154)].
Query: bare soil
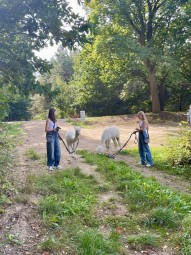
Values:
[(20, 227)]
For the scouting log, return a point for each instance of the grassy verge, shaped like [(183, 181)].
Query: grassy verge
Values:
[(157, 208), (67, 207), (161, 162), (8, 139)]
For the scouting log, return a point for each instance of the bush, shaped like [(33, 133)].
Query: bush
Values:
[(179, 150)]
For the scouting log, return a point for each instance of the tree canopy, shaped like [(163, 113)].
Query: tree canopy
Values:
[(28, 26), (153, 32)]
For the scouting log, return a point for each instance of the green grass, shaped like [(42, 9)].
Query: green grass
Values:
[(143, 241), (8, 140), (32, 154), (91, 242), (14, 129), (159, 208), (160, 158), (69, 199)]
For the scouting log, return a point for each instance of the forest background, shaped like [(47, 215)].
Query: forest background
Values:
[(122, 57)]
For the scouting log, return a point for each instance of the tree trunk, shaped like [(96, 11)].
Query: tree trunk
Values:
[(153, 86), (163, 96)]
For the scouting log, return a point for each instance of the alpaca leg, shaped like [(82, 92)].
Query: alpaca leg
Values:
[(74, 150), (107, 144), (70, 149), (115, 143), (118, 141)]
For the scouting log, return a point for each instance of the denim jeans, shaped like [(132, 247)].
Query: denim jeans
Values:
[(53, 149), (144, 150)]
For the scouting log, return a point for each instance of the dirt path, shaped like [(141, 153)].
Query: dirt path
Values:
[(17, 223)]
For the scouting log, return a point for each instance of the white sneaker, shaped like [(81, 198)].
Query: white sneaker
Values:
[(50, 168), (148, 165), (140, 163), (59, 167)]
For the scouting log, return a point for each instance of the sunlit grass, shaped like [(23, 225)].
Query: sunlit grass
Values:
[(67, 204), (160, 158), (9, 133), (160, 206)]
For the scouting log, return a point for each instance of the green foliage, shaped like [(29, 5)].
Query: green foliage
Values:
[(26, 27), (8, 140), (179, 149), (161, 161), (91, 242), (184, 237), (50, 244), (135, 40), (13, 239), (67, 206), (65, 194), (142, 241), (32, 154), (165, 217), (141, 193), (18, 108)]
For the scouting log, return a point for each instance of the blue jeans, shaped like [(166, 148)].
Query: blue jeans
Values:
[(144, 150), (53, 149)]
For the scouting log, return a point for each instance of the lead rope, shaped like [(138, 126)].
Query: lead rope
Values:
[(66, 146), (136, 139)]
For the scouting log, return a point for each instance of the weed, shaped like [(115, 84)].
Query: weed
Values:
[(32, 154), (103, 188), (50, 244), (13, 239), (28, 188), (127, 223), (142, 241), (164, 217), (22, 198), (91, 242)]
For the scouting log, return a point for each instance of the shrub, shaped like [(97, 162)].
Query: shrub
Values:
[(179, 150)]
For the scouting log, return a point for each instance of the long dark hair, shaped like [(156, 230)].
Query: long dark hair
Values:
[(51, 115)]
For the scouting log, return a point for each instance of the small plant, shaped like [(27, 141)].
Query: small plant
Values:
[(49, 245), (32, 154), (179, 149), (91, 242), (142, 241), (13, 239), (164, 217)]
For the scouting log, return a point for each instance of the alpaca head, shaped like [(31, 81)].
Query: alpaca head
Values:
[(99, 149), (77, 130)]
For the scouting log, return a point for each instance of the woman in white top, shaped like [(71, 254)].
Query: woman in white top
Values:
[(144, 150), (52, 141)]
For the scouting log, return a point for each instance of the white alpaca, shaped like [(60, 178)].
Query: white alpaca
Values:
[(72, 139), (110, 133)]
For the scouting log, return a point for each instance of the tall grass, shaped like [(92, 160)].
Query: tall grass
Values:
[(9, 133)]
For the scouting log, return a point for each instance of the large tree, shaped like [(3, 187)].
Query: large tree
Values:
[(26, 26), (155, 29)]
